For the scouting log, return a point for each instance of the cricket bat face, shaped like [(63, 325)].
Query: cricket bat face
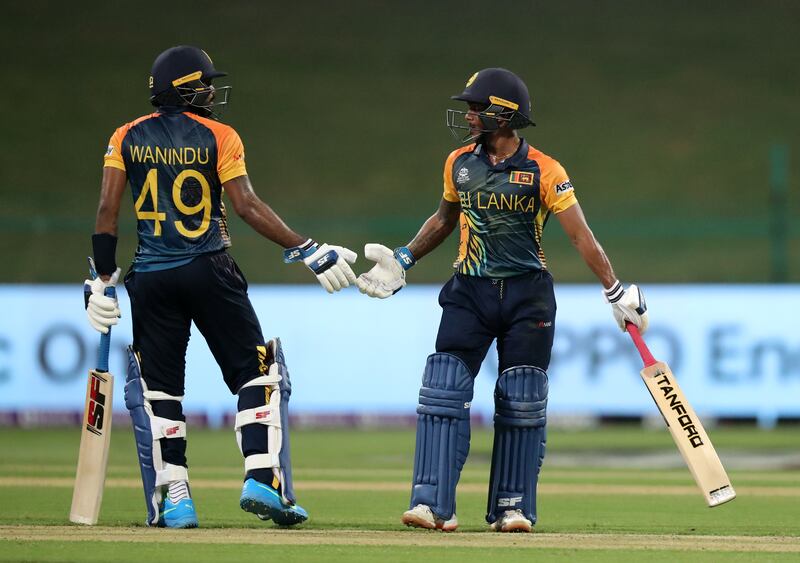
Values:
[(689, 434), (90, 477)]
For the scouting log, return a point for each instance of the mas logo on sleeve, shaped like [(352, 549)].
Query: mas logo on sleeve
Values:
[(110, 150), (525, 178), (564, 187)]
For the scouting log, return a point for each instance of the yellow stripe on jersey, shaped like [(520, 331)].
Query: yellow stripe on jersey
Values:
[(472, 248), (230, 150), (113, 156), (555, 190), (450, 193), (111, 163)]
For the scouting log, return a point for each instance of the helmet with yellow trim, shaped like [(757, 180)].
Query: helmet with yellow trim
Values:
[(502, 97), (182, 77)]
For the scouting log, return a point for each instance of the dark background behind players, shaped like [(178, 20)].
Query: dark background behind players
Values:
[(676, 119)]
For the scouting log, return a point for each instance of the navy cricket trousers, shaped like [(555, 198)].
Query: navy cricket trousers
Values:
[(519, 312)]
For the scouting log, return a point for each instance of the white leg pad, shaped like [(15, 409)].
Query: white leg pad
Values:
[(273, 377), (161, 396), (160, 427), (166, 428), (261, 461), (170, 474), (269, 415)]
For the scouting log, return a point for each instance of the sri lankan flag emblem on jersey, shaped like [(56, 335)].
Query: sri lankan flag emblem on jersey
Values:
[(518, 177)]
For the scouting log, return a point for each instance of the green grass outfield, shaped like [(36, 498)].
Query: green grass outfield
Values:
[(355, 484)]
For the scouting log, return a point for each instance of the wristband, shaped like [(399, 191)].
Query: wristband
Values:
[(404, 256), (297, 253), (614, 293), (104, 248)]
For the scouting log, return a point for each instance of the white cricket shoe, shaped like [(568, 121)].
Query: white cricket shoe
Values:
[(421, 516), (512, 521)]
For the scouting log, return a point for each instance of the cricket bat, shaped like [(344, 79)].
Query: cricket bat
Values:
[(90, 477), (685, 426)]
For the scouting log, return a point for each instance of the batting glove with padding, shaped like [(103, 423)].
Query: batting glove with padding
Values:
[(331, 264), (388, 275), (627, 305), (103, 311)]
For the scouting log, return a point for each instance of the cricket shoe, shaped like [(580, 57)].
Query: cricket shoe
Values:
[(266, 503), (512, 521), (177, 515), (421, 516), (290, 515)]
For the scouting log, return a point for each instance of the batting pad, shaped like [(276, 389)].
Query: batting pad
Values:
[(274, 415), (443, 433), (148, 429), (519, 439)]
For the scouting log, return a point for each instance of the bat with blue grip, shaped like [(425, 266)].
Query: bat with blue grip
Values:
[(105, 339), (87, 492)]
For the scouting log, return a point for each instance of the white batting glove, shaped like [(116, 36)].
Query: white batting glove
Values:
[(388, 275), (331, 264), (627, 305), (103, 311)]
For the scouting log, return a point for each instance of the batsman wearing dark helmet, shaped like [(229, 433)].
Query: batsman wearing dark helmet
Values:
[(501, 191), (179, 161)]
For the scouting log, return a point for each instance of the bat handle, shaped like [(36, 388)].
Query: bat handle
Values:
[(105, 339), (638, 341)]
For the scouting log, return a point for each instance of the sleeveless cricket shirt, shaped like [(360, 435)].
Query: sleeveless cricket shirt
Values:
[(176, 163), (504, 208)]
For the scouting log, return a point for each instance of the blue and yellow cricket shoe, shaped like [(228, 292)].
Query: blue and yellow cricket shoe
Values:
[(266, 503), (177, 515)]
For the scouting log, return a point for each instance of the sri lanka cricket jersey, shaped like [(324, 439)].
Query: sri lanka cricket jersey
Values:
[(504, 208), (176, 163)]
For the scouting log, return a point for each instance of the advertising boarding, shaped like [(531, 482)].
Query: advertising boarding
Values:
[(734, 349)]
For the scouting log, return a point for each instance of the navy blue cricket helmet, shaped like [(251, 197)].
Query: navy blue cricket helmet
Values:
[(182, 76), (502, 95)]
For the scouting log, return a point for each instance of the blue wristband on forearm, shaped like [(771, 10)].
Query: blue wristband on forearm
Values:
[(404, 256)]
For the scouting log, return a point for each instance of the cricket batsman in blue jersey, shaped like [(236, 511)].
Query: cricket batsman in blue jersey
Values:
[(501, 191), (179, 161)]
